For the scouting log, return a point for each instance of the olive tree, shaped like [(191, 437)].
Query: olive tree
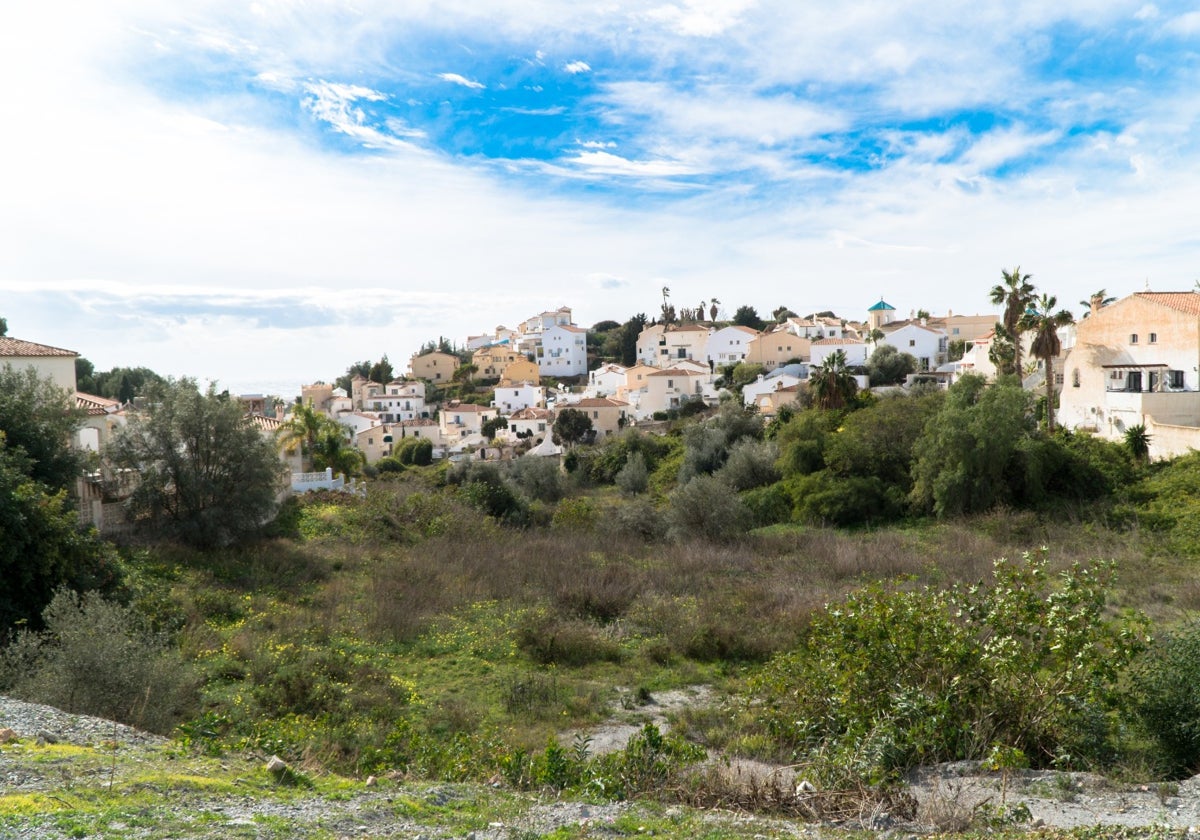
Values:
[(207, 476)]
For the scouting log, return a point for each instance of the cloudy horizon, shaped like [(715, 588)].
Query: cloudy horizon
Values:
[(272, 191)]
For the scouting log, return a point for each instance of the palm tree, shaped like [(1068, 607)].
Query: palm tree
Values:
[(1041, 320), (832, 383), (1137, 441), (334, 452), (300, 431), (1015, 295), (1096, 302)]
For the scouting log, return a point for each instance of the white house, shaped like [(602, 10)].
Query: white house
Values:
[(513, 399), (855, 350), (563, 351), (606, 380), (49, 362), (729, 345), (924, 343), (532, 423), (399, 400)]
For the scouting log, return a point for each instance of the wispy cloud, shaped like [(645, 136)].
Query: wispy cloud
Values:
[(457, 79), (574, 67)]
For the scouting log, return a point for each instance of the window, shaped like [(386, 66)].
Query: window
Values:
[(1075, 378), (1154, 338), (1133, 339), (1058, 379), (912, 342), (1177, 379)]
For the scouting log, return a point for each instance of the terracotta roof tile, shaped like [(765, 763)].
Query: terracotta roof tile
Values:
[(1188, 302), (597, 402), (95, 405), (16, 347)]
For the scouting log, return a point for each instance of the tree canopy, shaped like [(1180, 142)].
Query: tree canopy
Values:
[(38, 418), (747, 316), (207, 476), (571, 426)]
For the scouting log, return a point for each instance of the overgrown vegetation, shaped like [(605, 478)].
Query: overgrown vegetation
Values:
[(462, 621)]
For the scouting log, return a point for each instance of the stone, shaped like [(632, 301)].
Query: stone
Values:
[(276, 765), (7, 735)]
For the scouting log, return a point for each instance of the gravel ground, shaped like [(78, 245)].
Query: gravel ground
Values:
[(948, 796)]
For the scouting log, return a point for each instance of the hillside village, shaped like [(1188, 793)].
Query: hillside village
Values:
[(1126, 362)]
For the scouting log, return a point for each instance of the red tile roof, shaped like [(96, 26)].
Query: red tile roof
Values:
[(597, 402), (1188, 302), (95, 405), (16, 347)]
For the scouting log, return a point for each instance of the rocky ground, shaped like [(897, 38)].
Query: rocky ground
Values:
[(64, 775)]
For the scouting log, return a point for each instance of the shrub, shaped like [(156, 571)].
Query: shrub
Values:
[(99, 658), (638, 519), (769, 505), (706, 508), (602, 594), (751, 464), (886, 680), (825, 499), (540, 479), (390, 464), (578, 514), (549, 640), (1164, 689), (633, 478)]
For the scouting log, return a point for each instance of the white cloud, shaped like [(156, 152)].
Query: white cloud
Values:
[(1146, 12), (1185, 24), (700, 18), (461, 80), (574, 67), (722, 111)]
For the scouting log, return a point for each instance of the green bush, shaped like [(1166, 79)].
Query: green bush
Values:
[(751, 463), (769, 505), (540, 479), (706, 508), (825, 499), (886, 680), (1164, 692), (99, 658), (634, 477)]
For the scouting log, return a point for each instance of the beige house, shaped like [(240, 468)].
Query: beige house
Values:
[(608, 416), (671, 388), (491, 361), (769, 403), (434, 366), (49, 362), (424, 428), (375, 442), (1135, 362), (661, 346), (463, 422), (776, 348), (518, 371)]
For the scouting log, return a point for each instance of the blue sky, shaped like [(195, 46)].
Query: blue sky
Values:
[(273, 190)]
